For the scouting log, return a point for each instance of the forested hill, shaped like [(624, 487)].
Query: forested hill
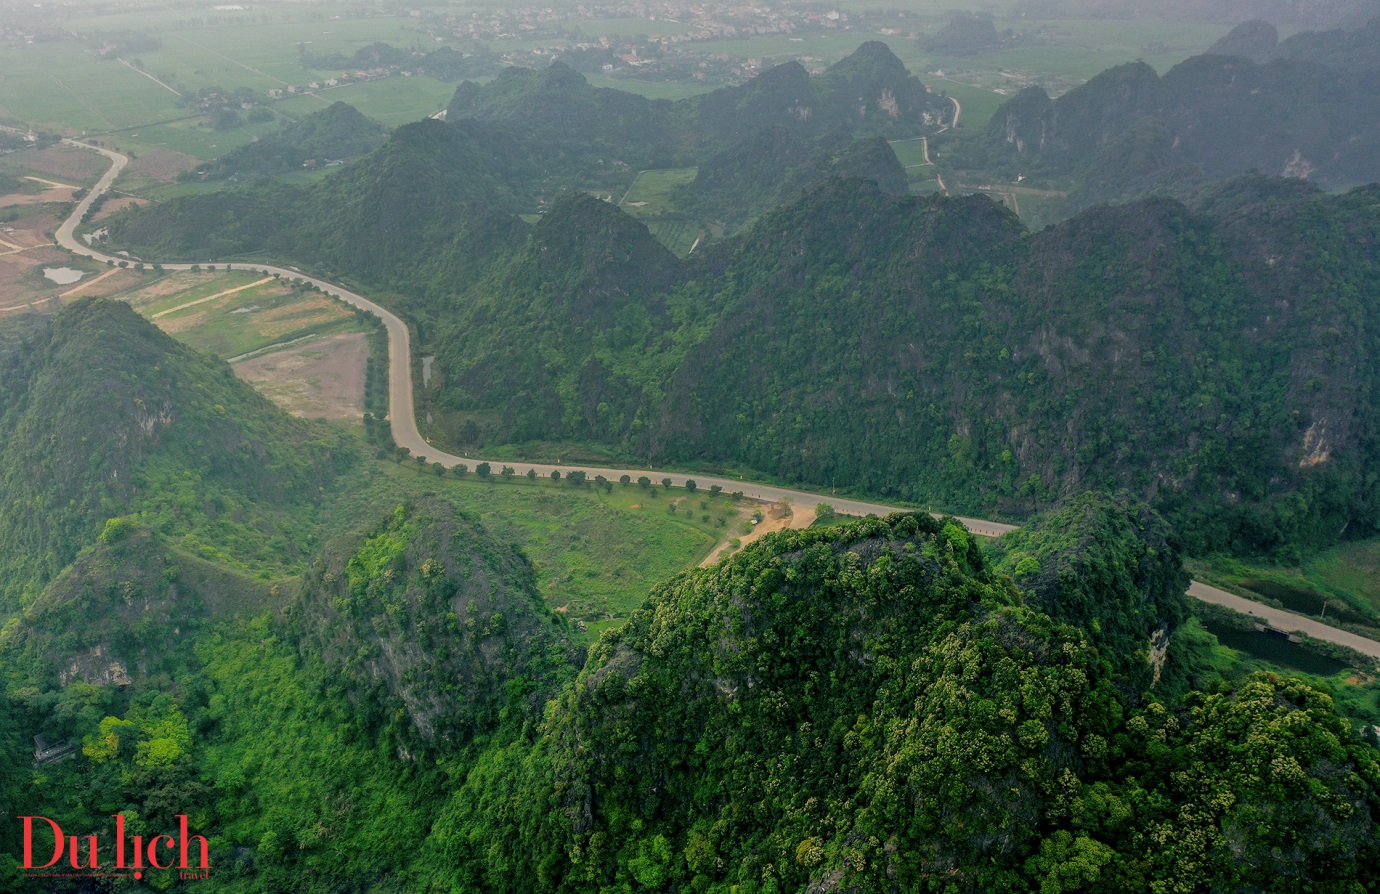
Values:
[(774, 165), (103, 416), (397, 212), (573, 123), (1128, 131), (929, 349), (336, 133), (872, 709)]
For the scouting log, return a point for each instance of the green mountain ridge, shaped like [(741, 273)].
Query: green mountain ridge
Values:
[(929, 349), (574, 124), (430, 616)]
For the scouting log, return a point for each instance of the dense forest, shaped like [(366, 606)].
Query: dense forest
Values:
[(985, 368), (106, 422), (879, 706), (349, 683)]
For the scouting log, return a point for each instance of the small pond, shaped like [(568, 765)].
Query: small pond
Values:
[(1274, 647), (63, 276), (1304, 601)]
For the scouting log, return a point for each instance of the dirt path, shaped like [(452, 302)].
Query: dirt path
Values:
[(775, 517), (173, 310), (53, 183), (91, 282), (231, 61), (150, 77)]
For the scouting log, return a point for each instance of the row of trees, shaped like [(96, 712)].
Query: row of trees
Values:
[(577, 477)]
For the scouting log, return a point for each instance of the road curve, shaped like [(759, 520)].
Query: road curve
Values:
[(403, 421)]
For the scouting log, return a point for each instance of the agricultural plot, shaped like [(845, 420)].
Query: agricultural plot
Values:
[(650, 193), (67, 87), (392, 101), (677, 235), (237, 313)]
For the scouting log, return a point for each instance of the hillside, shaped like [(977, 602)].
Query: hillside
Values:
[(336, 133), (379, 219), (928, 349), (103, 416), (774, 165), (872, 709)]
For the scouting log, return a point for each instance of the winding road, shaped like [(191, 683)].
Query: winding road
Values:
[(403, 420)]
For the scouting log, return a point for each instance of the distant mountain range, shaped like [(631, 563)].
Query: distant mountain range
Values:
[(1306, 107)]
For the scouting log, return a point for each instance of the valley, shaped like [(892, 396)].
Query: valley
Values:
[(402, 418), (741, 451)]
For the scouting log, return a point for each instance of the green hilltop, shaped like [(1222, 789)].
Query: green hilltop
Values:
[(104, 417), (338, 132)]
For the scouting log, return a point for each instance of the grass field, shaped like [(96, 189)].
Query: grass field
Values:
[(650, 193), (194, 137), (65, 86), (677, 235), (911, 153), (597, 555), (392, 101), (1342, 583)]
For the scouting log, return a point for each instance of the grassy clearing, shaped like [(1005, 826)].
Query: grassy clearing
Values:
[(650, 193), (193, 137), (911, 153), (677, 235), (1340, 585), (597, 556), (392, 101), (66, 86), (1353, 569)]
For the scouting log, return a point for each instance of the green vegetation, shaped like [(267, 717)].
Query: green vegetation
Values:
[(596, 554), (406, 711), (103, 416), (812, 709), (336, 133), (650, 193), (984, 369)]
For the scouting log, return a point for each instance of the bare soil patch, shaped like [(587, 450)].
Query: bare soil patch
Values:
[(775, 517), (320, 379), (111, 206), (36, 198), (159, 164)]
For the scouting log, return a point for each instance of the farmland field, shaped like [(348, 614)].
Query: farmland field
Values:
[(236, 313), (650, 193)]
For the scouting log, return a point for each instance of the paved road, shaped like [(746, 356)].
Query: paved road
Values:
[(1287, 621), (403, 420)]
